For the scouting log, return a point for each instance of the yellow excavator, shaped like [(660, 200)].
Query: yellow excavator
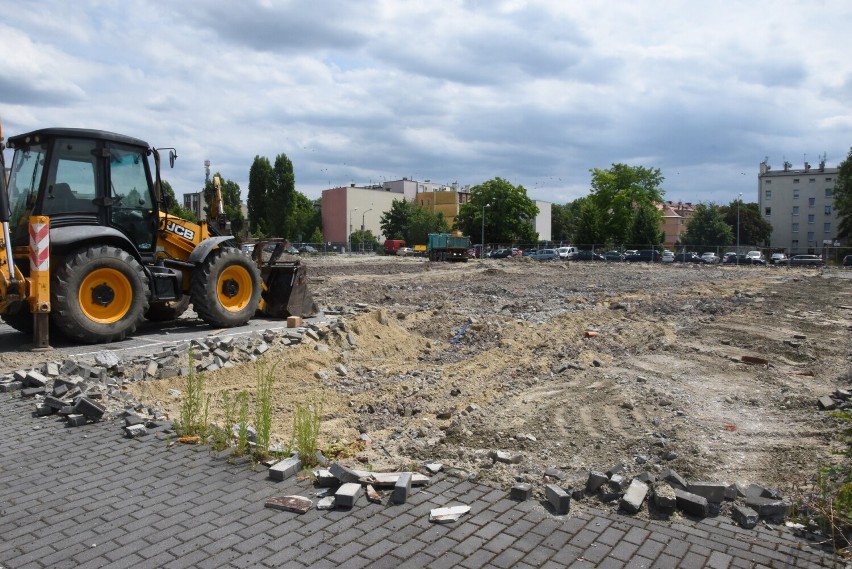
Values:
[(88, 247)]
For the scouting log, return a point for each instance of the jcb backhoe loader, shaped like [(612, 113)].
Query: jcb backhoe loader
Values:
[(88, 246)]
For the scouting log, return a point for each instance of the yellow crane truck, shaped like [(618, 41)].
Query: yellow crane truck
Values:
[(88, 247)]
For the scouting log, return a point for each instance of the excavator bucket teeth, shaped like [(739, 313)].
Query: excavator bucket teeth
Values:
[(287, 291)]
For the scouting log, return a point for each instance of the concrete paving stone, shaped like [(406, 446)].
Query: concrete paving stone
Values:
[(400, 520), (188, 545), (718, 560), (437, 547), (624, 550), (676, 547), (347, 536), (469, 545), (693, 561), (356, 562), (342, 552), (375, 535), (637, 535), (508, 558), (188, 561), (379, 549), (611, 536), (613, 563), (447, 560), (596, 552), (155, 562), (650, 548), (478, 559), (698, 548), (490, 530), (500, 543)]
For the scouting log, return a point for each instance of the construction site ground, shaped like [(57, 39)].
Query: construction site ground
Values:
[(576, 366)]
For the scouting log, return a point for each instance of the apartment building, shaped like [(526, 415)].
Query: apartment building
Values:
[(799, 204)]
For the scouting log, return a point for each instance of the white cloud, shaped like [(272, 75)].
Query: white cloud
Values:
[(537, 91)]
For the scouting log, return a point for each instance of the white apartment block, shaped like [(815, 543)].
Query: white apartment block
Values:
[(799, 204)]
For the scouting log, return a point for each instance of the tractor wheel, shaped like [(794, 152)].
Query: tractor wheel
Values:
[(21, 319), (226, 288), (98, 294), (165, 311)]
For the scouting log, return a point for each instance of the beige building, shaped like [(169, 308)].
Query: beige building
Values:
[(676, 216), (799, 204)]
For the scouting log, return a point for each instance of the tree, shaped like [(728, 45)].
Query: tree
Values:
[(843, 198), (707, 228), (508, 218), (406, 220), (364, 240), (754, 230), (589, 226), (173, 206), (645, 226), (304, 218), (280, 199), (561, 222), (619, 193), (260, 186)]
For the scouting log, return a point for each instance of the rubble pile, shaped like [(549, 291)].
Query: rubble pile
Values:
[(91, 390)]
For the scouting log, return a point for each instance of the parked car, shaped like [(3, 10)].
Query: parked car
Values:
[(687, 258), (806, 261), (500, 253), (644, 256), (588, 256), (668, 257), (756, 255), (307, 249), (546, 255), (566, 252), (778, 259), (710, 258), (743, 260), (404, 251), (613, 256), (847, 261)]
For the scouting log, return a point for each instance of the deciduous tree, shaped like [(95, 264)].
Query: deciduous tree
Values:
[(707, 228), (843, 199), (509, 216)]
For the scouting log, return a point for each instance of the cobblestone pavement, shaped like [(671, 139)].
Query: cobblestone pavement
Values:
[(87, 497)]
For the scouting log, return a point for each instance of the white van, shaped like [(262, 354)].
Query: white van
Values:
[(566, 252)]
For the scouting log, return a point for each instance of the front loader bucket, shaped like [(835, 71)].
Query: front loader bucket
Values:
[(287, 291)]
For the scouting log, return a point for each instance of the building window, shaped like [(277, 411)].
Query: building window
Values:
[(812, 180), (828, 179), (767, 181), (811, 202), (826, 228), (829, 192), (795, 180), (828, 210), (767, 194), (795, 244), (811, 236), (795, 228), (795, 210), (767, 211), (795, 194), (811, 218)]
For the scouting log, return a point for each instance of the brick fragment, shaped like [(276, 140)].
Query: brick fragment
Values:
[(558, 498), (673, 478), (135, 431), (826, 403), (744, 516), (75, 420), (54, 402), (32, 391), (712, 491), (402, 488), (285, 468), (89, 408), (692, 504), (35, 379), (665, 499), (595, 480), (768, 507), (347, 495), (521, 492), (634, 497)]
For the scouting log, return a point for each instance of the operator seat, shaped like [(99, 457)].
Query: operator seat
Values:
[(60, 199)]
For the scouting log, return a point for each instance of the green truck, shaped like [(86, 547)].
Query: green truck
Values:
[(448, 247)]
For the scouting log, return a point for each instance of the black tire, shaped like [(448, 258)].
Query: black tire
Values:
[(166, 311), (226, 287), (98, 294), (20, 318)]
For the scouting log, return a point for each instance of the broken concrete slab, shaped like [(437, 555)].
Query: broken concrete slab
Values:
[(712, 491), (768, 507), (665, 499), (297, 504), (692, 504), (448, 515), (374, 495)]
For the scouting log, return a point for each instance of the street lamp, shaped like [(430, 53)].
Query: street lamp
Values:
[(363, 215), (349, 235), (738, 227), (482, 241)]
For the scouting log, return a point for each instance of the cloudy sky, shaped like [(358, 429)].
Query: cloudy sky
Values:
[(537, 92)]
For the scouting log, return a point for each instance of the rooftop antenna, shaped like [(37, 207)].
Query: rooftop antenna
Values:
[(206, 172)]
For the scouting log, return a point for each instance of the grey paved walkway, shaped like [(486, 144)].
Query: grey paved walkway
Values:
[(87, 497)]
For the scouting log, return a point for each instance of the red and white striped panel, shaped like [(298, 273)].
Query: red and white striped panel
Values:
[(39, 247)]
